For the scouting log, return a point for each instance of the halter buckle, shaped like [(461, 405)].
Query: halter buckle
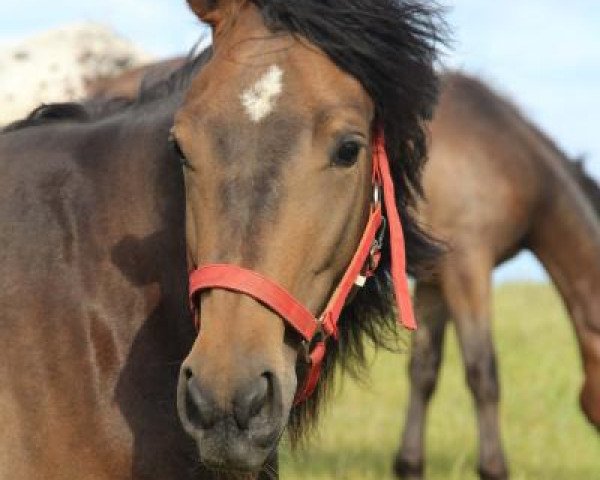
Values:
[(374, 254), (379, 237)]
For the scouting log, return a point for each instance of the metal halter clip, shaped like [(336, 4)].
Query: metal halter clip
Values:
[(378, 241), (360, 281), (307, 346), (376, 247), (376, 194), (374, 255)]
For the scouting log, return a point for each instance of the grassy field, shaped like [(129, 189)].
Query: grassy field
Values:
[(545, 435)]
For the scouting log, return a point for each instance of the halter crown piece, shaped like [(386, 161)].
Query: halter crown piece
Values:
[(315, 331)]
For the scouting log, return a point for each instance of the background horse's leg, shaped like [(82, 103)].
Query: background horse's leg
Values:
[(425, 360), (467, 287)]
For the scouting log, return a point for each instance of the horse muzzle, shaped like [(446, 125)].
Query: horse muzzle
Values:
[(241, 435)]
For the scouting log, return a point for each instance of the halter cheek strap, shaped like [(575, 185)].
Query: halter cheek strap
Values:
[(398, 251), (315, 331)]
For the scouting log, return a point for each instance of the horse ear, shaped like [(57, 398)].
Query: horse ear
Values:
[(214, 12)]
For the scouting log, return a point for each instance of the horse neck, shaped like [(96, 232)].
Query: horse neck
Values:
[(139, 216), (139, 145), (565, 236)]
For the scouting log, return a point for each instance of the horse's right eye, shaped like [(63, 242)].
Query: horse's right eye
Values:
[(346, 153)]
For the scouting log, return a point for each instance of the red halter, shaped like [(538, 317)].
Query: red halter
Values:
[(362, 265)]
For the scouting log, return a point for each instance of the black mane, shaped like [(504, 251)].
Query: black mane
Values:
[(47, 113), (587, 183)]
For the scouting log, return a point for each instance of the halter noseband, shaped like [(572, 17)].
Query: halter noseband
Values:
[(315, 331)]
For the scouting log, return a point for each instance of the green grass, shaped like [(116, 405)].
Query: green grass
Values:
[(545, 435)]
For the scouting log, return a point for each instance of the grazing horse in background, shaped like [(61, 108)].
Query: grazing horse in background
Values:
[(496, 185), (224, 167)]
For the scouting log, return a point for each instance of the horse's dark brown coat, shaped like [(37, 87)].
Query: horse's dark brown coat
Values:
[(93, 320)]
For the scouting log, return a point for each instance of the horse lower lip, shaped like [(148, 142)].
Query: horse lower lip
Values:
[(242, 458), (222, 466), (265, 440), (227, 448)]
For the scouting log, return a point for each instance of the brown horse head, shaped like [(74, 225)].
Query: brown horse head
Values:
[(275, 135)]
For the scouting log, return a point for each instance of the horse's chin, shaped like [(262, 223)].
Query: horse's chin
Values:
[(228, 449)]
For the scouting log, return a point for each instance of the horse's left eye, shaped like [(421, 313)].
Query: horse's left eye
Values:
[(347, 153)]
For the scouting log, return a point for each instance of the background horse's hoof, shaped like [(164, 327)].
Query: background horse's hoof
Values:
[(406, 470), (496, 474)]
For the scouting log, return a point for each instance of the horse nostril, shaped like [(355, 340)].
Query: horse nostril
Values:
[(199, 409), (251, 400)]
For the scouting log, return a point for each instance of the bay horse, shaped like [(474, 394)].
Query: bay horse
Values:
[(262, 169), (489, 201), (496, 185)]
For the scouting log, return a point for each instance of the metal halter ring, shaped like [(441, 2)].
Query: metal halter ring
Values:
[(376, 194)]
